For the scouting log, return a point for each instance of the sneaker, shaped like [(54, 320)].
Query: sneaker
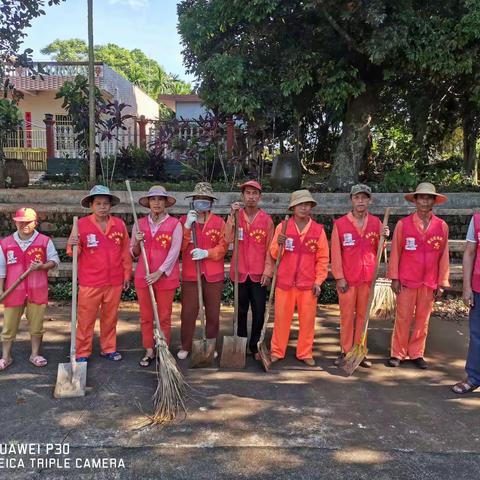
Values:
[(420, 363), (309, 361), (182, 354), (366, 363), (393, 362), (339, 360)]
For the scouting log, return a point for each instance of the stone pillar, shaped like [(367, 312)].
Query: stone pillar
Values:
[(142, 131), (230, 136), (50, 134)]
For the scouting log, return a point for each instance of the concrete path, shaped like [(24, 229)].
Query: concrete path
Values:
[(295, 422)]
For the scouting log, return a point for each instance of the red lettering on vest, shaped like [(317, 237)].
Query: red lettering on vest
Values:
[(297, 268), (35, 287), (359, 252), (207, 237), (157, 249), (421, 252)]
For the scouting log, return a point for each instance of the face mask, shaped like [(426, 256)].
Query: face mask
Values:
[(202, 205)]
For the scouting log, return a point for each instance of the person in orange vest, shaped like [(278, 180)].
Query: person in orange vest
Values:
[(354, 246), (419, 268), (302, 270), (212, 246), (162, 236), (255, 264), (104, 270), (25, 249)]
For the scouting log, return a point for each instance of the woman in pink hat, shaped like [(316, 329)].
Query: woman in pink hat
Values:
[(25, 250), (162, 236)]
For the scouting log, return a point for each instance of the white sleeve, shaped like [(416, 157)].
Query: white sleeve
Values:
[(52, 254), (3, 264), (471, 232)]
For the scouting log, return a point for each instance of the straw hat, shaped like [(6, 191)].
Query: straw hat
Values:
[(25, 214), (301, 196), (426, 188), (157, 191), (99, 190), (202, 189)]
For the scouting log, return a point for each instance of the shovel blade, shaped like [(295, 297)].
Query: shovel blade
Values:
[(202, 353), (353, 359), (234, 352), (264, 356), (71, 380)]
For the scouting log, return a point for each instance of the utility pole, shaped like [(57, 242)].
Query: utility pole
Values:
[(91, 98)]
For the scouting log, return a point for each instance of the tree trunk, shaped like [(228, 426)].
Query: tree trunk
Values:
[(349, 156), (470, 127)]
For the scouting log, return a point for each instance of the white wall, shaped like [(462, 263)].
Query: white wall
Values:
[(190, 110), (40, 104)]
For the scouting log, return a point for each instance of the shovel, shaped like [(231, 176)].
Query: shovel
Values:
[(14, 285), (262, 348), (72, 377), (202, 350), (356, 355), (234, 347)]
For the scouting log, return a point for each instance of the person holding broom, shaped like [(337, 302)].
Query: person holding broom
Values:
[(419, 268), (210, 252), (25, 250), (162, 236), (302, 270), (354, 246), (255, 264), (104, 270)]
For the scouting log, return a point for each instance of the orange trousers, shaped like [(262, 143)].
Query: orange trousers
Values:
[(414, 306), (285, 303), (164, 300), (90, 301), (353, 307)]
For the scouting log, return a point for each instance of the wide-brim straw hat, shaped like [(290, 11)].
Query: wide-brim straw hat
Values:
[(157, 191), (301, 196), (99, 190), (426, 188), (203, 189)]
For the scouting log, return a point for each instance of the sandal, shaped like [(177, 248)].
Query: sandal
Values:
[(38, 361), (464, 387), (113, 356), (146, 361), (4, 364)]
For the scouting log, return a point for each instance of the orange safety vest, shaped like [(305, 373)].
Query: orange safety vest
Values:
[(297, 268)]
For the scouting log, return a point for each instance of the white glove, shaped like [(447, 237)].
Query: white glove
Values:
[(199, 254), (191, 217)]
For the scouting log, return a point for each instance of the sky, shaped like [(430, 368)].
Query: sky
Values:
[(150, 25)]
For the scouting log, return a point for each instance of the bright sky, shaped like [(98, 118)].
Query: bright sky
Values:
[(150, 25)]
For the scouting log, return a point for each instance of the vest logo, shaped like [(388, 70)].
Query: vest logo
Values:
[(348, 240), (164, 240), (92, 240), (410, 243), (11, 258), (117, 237), (214, 235), (289, 246), (258, 235), (373, 237), (240, 233), (435, 242), (36, 253), (311, 245)]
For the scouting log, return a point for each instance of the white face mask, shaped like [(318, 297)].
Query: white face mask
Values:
[(202, 205)]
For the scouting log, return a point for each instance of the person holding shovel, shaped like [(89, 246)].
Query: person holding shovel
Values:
[(354, 244), (162, 236), (25, 250), (302, 270), (419, 268), (210, 252), (255, 264), (104, 270)]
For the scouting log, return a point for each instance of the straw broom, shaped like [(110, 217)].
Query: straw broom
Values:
[(384, 301), (168, 399)]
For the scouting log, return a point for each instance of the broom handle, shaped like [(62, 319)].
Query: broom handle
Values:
[(73, 318), (274, 282), (14, 285), (147, 268), (375, 275), (235, 285)]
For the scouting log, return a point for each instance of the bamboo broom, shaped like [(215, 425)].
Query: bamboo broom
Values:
[(168, 399), (384, 301)]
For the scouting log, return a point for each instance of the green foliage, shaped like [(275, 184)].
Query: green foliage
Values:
[(10, 120)]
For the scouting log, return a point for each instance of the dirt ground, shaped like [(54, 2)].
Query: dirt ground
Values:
[(295, 421)]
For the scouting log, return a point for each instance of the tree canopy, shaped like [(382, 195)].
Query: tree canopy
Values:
[(356, 66)]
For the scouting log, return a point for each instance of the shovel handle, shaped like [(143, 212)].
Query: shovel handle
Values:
[(73, 317), (235, 278), (15, 284), (375, 275), (274, 282)]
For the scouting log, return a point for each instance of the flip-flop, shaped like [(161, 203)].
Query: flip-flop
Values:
[(4, 364), (146, 361), (113, 356), (463, 387), (38, 361)]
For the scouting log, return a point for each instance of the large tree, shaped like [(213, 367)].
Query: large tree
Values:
[(254, 58)]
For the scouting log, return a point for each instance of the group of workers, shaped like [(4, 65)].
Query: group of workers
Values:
[(418, 269)]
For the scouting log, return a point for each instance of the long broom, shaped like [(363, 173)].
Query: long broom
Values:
[(359, 351), (168, 399), (384, 301)]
